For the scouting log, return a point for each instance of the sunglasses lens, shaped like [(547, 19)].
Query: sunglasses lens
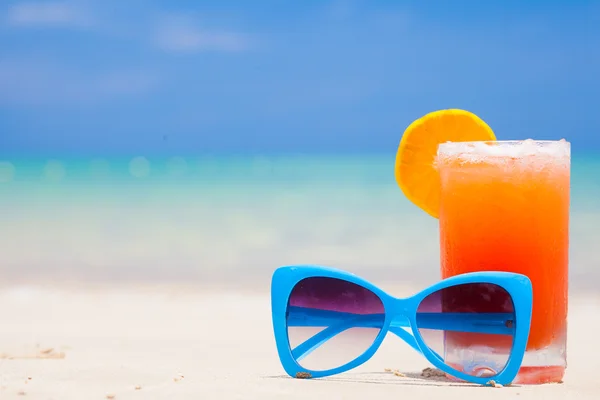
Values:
[(331, 322), (470, 326)]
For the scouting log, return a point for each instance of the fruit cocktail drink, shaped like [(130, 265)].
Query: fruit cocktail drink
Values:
[(504, 206)]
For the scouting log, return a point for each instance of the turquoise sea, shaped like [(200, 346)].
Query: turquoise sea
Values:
[(220, 219)]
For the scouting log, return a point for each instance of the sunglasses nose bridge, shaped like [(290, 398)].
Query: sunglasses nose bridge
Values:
[(398, 309)]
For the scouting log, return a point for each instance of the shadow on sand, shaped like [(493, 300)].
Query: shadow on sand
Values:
[(427, 377)]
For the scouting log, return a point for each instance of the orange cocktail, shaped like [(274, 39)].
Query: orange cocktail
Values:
[(504, 206)]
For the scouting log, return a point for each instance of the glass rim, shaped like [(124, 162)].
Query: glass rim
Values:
[(522, 141), (503, 148)]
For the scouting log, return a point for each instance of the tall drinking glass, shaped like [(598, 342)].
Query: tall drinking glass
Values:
[(504, 206)]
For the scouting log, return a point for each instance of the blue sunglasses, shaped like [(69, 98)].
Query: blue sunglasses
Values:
[(473, 326)]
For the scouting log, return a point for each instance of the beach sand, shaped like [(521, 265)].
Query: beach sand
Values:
[(181, 343)]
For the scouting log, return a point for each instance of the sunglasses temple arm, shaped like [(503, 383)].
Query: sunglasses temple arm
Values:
[(490, 323), (318, 339), (338, 322), (406, 336), (304, 349), (411, 341)]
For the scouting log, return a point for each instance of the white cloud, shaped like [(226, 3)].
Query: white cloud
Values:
[(177, 33), (38, 83), (181, 35), (48, 14)]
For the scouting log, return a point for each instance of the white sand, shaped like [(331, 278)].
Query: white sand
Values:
[(178, 345)]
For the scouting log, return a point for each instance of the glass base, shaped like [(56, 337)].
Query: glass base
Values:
[(547, 365)]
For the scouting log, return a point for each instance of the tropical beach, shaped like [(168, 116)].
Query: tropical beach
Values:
[(159, 161), (143, 286)]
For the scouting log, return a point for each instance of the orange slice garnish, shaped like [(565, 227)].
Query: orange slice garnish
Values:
[(415, 160)]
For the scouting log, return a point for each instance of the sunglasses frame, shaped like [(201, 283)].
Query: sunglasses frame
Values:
[(518, 286)]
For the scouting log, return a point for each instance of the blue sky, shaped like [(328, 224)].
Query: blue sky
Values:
[(184, 77)]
